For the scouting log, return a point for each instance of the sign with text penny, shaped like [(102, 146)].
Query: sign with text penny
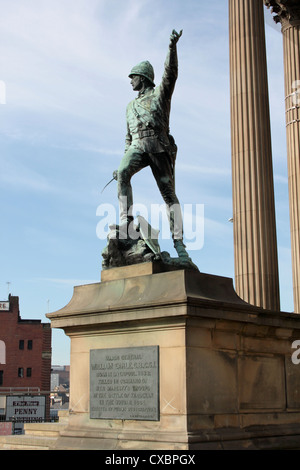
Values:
[(25, 408), (124, 383)]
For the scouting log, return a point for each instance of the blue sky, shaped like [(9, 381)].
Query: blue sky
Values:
[(65, 66)]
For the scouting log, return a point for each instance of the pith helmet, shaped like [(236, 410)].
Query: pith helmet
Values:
[(144, 69)]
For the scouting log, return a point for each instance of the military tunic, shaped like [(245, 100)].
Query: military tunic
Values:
[(148, 142), (148, 114)]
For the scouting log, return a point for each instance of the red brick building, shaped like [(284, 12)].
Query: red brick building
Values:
[(25, 350)]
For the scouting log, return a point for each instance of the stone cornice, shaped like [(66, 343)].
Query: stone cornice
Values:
[(286, 11)]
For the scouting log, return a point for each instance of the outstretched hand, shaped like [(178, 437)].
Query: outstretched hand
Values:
[(174, 38)]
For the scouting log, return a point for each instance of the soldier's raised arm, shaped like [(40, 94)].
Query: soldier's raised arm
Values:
[(174, 38), (171, 65)]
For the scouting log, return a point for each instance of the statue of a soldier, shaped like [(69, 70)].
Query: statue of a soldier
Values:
[(148, 141)]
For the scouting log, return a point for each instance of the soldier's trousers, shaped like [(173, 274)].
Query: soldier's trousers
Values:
[(133, 161)]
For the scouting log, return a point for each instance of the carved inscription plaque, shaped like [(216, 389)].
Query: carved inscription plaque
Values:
[(124, 383)]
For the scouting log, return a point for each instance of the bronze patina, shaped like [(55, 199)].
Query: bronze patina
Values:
[(148, 143)]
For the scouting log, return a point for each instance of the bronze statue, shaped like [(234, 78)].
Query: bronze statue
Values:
[(148, 143), (148, 140)]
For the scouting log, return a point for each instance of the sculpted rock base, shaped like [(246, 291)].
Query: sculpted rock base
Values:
[(138, 246)]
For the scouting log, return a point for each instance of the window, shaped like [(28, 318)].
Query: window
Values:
[(2, 353), (29, 344), (28, 372), (1, 377), (21, 344), (20, 372)]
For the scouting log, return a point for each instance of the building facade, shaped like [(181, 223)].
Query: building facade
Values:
[(25, 351)]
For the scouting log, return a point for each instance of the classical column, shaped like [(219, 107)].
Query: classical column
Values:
[(288, 14), (255, 243)]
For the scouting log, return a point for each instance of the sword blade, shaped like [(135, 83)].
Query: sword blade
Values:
[(107, 184)]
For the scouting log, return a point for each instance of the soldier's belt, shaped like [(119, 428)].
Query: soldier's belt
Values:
[(146, 133)]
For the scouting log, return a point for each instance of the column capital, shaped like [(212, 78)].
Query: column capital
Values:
[(286, 11)]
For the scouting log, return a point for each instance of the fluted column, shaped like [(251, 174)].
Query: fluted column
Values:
[(288, 14), (255, 243)]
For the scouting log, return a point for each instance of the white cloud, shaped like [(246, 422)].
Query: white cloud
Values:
[(213, 171), (20, 177)]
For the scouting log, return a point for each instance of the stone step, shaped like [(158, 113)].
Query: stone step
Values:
[(27, 442), (44, 429), (63, 416)]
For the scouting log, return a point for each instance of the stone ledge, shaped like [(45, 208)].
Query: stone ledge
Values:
[(135, 270), (25, 442), (148, 290)]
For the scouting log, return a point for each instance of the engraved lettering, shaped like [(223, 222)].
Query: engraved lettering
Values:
[(124, 383)]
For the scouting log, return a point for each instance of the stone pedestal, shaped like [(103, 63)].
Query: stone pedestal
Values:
[(225, 375)]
